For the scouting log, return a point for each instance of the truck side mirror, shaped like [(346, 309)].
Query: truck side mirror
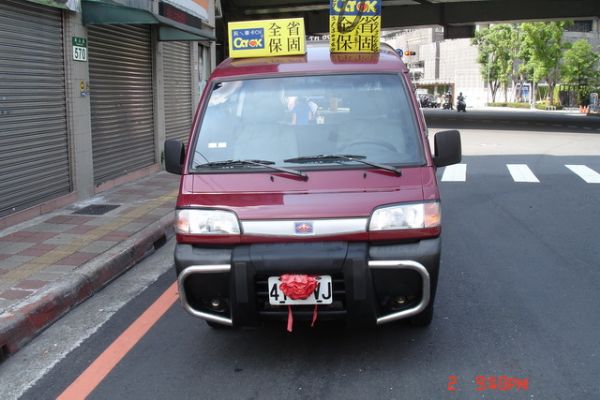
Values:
[(447, 148), (174, 156)]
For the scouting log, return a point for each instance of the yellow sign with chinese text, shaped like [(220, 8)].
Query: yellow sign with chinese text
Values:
[(355, 26), (266, 38)]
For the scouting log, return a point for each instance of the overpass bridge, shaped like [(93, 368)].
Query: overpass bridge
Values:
[(455, 15)]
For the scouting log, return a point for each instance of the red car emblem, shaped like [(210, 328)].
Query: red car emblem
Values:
[(303, 227)]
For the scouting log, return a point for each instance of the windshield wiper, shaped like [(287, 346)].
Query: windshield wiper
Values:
[(325, 158), (258, 163)]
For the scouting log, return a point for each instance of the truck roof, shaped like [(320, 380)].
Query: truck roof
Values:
[(317, 59)]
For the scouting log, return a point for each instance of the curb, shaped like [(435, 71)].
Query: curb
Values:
[(29, 318)]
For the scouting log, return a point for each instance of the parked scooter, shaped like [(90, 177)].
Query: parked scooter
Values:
[(461, 105), (447, 102), (425, 103)]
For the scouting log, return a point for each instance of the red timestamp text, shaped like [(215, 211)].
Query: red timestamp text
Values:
[(492, 382)]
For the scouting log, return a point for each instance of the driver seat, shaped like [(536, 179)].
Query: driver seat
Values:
[(263, 135), (368, 125)]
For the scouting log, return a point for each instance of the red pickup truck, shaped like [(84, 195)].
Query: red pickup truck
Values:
[(317, 167)]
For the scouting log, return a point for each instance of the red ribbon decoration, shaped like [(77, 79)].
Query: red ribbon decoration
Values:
[(298, 287)]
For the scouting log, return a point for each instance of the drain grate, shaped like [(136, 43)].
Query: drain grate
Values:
[(97, 209)]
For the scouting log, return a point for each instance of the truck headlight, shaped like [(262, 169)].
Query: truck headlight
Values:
[(406, 216), (206, 222)]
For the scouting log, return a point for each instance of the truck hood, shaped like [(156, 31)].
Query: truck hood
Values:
[(326, 194)]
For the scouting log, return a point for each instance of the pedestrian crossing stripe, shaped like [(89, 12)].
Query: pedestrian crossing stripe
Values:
[(585, 173), (519, 173), (455, 173)]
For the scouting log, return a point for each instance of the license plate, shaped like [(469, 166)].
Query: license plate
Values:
[(323, 294)]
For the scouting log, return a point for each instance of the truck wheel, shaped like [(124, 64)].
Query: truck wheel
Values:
[(424, 318)]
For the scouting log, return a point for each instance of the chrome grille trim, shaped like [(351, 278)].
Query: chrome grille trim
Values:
[(321, 227)]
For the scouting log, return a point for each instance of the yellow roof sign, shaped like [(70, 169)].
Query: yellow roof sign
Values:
[(355, 26), (266, 38)]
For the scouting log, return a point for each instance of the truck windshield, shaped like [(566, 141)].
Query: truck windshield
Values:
[(285, 120)]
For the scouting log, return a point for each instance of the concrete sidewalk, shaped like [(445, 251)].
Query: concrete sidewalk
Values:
[(52, 263)]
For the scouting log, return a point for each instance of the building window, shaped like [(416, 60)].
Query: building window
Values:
[(581, 26)]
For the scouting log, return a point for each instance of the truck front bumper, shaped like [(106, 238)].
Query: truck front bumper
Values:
[(372, 284)]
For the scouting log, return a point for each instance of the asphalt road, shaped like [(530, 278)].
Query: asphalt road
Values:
[(517, 297)]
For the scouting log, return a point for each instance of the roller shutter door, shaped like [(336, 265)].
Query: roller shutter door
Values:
[(178, 90), (120, 62), (34, 149)]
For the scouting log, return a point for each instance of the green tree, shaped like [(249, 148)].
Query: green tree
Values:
[(543, 44), (497, 56), (580, 67), (518, 73), (525, 69)]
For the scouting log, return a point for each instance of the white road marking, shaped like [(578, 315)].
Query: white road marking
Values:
[(521, 173), (585, 173), (455, 173)]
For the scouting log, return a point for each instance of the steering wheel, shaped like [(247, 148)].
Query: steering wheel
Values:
[(381, 143)]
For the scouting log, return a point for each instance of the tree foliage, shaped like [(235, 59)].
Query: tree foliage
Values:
[(536, 52), (543, 47), (581, 67), (497, 55), (580, 64)]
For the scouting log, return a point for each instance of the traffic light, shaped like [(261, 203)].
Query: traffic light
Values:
[(409, 53)]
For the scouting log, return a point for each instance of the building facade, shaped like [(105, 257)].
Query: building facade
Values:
[(89, 91)]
